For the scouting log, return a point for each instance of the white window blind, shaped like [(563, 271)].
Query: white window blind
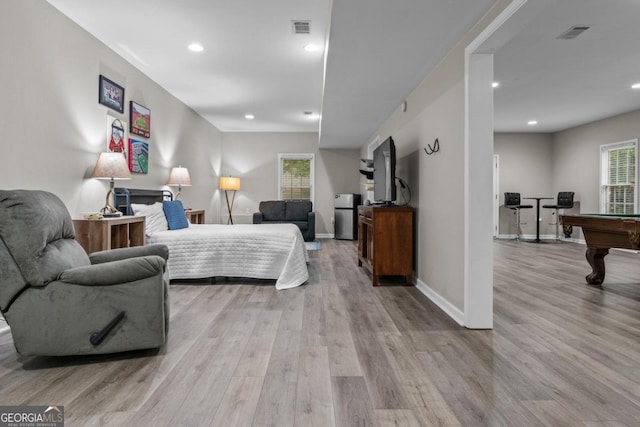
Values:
[(618, 177), (296, 176)]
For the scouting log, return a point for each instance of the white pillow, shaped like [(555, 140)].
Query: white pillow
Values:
[(155, 220)]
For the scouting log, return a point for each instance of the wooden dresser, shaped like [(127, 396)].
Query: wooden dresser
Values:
[(385, 241)]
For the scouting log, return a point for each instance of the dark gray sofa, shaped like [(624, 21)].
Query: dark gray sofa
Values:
[(298, 212)]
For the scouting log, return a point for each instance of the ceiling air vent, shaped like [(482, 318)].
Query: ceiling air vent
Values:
[(573, 32), (301, 27)]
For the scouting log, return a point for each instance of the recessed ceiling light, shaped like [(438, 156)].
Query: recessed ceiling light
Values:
[(249, 116), (635, 86), (195, 47), (532, 122), (311, 48), (495, 84)]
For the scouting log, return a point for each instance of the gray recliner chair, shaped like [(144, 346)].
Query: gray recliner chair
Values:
[(59, 301)]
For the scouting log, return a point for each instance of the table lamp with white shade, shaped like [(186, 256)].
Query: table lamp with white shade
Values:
[(179, 177), (111, 166)]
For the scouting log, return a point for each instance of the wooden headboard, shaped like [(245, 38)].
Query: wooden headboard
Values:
[(125, 196)]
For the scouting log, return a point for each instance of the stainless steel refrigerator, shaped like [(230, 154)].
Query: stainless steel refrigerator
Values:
[(346, 216)]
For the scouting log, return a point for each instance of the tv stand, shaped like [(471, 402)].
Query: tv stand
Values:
[(385, 241)]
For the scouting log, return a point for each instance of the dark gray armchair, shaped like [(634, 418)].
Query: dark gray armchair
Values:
[(298, 212), (59, 301)]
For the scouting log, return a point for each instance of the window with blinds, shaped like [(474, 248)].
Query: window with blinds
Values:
[(618, 177), (296, 176)]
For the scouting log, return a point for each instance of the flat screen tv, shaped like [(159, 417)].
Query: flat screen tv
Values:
[(384, 172)]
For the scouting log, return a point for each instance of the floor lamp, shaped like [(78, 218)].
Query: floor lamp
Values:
[(229, 183)]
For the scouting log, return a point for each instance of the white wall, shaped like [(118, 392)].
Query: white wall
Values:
[(52, 128), (254, 158)]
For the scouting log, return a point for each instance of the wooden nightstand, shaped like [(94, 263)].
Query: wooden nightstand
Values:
[(109, 233), (195, 216)]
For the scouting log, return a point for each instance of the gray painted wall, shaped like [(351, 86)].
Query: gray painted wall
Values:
[(577, 155), (525, 167), (53, 129)]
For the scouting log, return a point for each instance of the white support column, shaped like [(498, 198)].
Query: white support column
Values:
[(478, 210)]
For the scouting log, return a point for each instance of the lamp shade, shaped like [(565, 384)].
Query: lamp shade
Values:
[(111, 166), (179, 176), (229, 183)]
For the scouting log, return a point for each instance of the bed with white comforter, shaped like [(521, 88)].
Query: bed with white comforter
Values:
[(260, 251)]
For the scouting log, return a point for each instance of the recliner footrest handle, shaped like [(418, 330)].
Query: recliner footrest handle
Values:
[(97, 337)]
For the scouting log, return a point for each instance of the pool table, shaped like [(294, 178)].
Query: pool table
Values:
[(603, 232)]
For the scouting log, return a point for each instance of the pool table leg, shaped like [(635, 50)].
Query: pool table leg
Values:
[(595, 257)]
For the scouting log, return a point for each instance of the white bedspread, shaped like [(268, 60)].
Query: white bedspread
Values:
[(260, 251)]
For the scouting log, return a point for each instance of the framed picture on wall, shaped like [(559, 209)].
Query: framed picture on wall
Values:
[(116, 136), (138, 156), (140, 119), (111, 94)]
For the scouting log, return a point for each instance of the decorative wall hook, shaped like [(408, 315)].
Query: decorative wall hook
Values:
[(434, 149)]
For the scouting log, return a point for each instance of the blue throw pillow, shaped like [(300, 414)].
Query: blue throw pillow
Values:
[(176, 218)]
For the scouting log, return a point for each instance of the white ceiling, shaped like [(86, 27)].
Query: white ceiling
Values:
[(378, 51), (252, 62), (566, 83)]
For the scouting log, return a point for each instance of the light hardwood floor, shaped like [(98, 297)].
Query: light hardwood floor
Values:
[(337, 351)]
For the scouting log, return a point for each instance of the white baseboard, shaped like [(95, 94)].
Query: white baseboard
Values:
[(324, 236), (574, 240), (451, 310), (532, 237), (570, 239)]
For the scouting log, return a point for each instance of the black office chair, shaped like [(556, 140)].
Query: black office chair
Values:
[(512, 201), (564, 201)]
